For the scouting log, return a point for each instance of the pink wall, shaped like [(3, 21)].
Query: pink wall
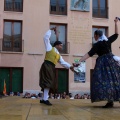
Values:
[(36, 20)]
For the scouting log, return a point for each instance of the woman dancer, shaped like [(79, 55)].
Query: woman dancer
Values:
[(105, 84)]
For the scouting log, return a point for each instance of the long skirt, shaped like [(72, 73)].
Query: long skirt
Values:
[(105, 84), (47, 76)]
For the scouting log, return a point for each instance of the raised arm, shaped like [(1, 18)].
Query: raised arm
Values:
[(114, 36), (46, 38), (116, 26)]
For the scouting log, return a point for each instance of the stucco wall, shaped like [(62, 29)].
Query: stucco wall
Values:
[(35, 22)]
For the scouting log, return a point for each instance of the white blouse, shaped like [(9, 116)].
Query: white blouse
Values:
[(48, 47)]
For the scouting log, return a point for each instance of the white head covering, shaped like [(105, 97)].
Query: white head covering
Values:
[(103, 37)]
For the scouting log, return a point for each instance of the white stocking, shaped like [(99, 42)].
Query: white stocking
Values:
[(46, 91)]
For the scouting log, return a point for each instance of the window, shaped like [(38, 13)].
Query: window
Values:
[(58, 7), (104, 29), (12, 36), (100, 8), (60, 35), (14, 5)]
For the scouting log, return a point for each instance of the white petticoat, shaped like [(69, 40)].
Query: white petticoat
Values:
[(117, 59)]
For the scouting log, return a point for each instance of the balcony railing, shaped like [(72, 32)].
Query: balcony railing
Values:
[(58, 8), (13, 6), (12, 46), (100, 12)]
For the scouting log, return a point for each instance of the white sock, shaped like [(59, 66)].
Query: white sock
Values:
[(46, 91)]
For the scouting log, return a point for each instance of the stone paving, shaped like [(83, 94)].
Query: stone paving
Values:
[(18, 108)]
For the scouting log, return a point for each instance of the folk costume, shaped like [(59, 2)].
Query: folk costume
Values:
[(47, 72), (105, 84)]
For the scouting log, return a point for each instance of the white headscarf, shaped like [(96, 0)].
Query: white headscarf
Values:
[(103, 37), (116, 58)]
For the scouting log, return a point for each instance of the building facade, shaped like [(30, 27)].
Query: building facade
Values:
[(23, 24)]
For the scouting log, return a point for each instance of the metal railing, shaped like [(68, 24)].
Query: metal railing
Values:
[(58, 8), (12, 46), (13, 6), (100, 12)]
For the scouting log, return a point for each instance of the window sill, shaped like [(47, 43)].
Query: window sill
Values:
[(64, 54), (13, 12), (78, 55), (35, 54), (95, 18), (9, 52), (58, 15)]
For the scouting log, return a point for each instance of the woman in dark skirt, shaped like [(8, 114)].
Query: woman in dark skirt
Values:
[(105, 84)]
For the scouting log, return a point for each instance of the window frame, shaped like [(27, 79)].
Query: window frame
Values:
[(13, 8), (66, 43), (57, 12), (99, 8), (12, 48), (99, 27)]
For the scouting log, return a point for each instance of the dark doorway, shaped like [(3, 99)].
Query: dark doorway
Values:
[(62, 77), (13, 78)]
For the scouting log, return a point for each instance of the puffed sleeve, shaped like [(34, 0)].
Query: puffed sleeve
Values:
[(46, 39), (93, 50), (113, 38), (64, 63)]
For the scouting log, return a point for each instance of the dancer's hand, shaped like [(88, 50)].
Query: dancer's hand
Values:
[(76, 64), (53, 28), (72, 68), (116, 20)]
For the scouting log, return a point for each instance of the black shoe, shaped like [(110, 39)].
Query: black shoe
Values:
[(41, 101), (108, 105), (47, 102)]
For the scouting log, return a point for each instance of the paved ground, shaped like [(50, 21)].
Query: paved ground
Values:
[(17, 108)]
